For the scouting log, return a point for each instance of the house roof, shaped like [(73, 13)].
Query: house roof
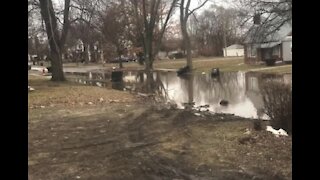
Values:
[(235, 46), (269, 44), (265, 32)]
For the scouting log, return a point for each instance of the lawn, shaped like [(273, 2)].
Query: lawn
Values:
[(202, 64)]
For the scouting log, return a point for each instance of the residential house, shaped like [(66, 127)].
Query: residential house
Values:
[(263, 46)]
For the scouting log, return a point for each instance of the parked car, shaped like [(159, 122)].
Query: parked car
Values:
[(176, 55), (123, 59)]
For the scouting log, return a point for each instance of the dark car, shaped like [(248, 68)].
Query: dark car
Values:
[(176, 55), (122, 59)]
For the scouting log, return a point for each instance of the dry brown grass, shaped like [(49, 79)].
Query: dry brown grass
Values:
[(48, 93), (202, 64)]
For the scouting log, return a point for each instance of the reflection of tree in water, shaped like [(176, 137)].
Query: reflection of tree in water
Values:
[(229, 86), (150, 83), (188, 86)]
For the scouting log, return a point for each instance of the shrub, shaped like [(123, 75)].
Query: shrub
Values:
[(277, 99)]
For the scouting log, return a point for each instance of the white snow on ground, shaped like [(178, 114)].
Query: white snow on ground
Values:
[(277, 133), (30, 88)]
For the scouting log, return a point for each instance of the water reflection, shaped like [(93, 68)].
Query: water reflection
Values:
[(241, 90)]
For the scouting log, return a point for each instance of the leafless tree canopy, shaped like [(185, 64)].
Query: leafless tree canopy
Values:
[(113, 25), (272, 14)]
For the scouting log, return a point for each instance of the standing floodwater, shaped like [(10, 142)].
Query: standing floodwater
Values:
[(241, 91)]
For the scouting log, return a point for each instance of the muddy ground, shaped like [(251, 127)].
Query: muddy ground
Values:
[(135, 138)]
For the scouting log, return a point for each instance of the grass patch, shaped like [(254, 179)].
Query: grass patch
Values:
[(201, 64), (279, 70), (49, 93)]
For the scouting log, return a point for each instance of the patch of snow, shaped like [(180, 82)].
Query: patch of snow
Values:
[(277, 133), (247, 131), (30, 88), (99, 84)]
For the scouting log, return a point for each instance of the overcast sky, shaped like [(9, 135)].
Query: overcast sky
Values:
[(194, 3)]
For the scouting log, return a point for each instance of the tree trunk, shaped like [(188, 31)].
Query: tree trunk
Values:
[(190, 91), (119, 50), (148, 51), (86, 52), (48, 14), (120, 62), (56, 64), (187, 43)]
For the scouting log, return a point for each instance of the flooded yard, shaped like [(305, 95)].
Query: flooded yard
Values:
[(241, 91)]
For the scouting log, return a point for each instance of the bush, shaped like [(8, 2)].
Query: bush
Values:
[(271, 62), (257, 125), (177, 55), (277, 99)]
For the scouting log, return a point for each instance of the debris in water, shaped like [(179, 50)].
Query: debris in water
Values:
[(42, 107), (203, 73), (197, 114), (90, 103), (101, 99), (224, 102), (78, 177), (277, 133)]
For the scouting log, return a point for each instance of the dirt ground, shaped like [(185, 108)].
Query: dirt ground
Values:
[(129, 137)]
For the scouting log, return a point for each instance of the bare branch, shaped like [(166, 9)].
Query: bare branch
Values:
[(66, 23), (198, 7)]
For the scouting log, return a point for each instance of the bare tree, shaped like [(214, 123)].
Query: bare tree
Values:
[(86, 16), (55, 38), (215, 28), (270, 15), (185, 13), (116, 27), (147, 20)]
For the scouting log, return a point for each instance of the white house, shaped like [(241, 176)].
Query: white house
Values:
[(268, 45), (233, 50), (287, 49)]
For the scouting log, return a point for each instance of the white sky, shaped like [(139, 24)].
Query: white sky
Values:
[(194, 3)]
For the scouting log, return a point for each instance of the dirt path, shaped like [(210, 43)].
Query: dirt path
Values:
[(125, 141)]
